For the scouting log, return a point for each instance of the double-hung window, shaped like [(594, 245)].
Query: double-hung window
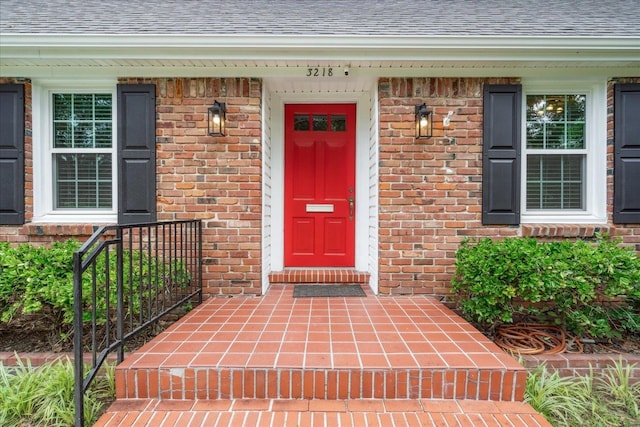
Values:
[(75, 156), (564, 155)]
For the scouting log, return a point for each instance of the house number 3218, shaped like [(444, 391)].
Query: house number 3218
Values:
[(320, 72)]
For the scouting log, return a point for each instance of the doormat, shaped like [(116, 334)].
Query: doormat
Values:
[(310, 291)]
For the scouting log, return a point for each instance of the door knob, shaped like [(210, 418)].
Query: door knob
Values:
[(352, 204)]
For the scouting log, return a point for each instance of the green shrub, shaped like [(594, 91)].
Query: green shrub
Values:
[(587, 287), (39, 280)]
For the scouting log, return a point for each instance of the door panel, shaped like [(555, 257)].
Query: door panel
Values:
[(319, 185)]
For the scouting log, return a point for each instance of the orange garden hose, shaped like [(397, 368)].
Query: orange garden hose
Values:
[(534, 339)]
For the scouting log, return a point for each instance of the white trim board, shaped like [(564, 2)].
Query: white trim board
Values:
[(363, 107)]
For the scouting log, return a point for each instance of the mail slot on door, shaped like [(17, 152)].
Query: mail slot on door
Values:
[(319, 208)]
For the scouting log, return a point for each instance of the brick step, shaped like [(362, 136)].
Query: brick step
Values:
[(323, 384), (302, 412), (319, 275)]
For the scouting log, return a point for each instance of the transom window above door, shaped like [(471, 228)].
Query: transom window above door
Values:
[(320, 122)]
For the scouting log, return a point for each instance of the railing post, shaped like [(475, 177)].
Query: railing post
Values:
[(78, 361), (119, 293), (173, 260), (199, 227)]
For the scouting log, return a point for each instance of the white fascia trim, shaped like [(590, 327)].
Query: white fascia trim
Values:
[(323, 46)]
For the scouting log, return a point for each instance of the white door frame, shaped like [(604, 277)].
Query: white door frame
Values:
[(364, 124)]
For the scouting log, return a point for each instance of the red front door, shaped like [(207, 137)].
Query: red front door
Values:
[(319, 206)]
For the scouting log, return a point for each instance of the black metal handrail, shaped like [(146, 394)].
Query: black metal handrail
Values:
[(126, 277)]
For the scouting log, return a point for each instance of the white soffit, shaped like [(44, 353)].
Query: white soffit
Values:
[(266, 56)]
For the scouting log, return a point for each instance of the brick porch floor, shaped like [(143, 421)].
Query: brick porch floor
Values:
[(279, 360)]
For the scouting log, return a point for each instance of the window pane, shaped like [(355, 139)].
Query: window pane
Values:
[(83, 135), (554, 107), (555, 181), (103, 107), (575, 136), (83, 107), (103, 133), (301, 122), (576, 108), (82, 121), (554, 136), (535, 107), (62, 106), (82, 180), (339, 123), (535, 135), (556, 121), (320, 122), (62, 135)]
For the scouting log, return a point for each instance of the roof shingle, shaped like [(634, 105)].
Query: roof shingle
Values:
[(517, 18)]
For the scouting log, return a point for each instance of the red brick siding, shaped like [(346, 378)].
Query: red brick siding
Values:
[(584, 364), (430, 190), (629, 233), (216, 179)]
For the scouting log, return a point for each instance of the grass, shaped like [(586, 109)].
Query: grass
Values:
[(43, 396), (587, 401)]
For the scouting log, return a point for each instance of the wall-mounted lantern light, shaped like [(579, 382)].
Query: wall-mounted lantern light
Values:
[(216, 119), (424, 122)]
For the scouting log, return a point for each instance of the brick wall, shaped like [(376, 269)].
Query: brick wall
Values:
[(216, 179), (430, 190), (571, 364)]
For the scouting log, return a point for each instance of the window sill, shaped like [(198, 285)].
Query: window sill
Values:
[(565, 230), (76, 218), (65, 225), (61, 230)]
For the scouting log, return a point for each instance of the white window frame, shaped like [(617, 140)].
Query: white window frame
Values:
[(595, 211), (43, 179)]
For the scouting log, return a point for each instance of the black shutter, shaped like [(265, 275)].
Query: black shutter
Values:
[(11, 154), (136, 153), (626, 197), (501, 154)]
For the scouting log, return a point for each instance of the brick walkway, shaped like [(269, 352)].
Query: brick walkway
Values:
[(301, 413), (279, 360)]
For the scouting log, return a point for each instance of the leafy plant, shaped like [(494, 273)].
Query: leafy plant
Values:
[(589, 401), (39, 280), (555, 397), (587, 287), (44, 395)]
